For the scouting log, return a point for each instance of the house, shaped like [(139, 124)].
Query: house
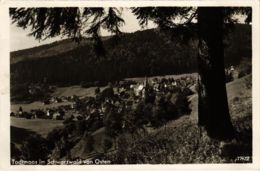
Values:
[(58, 116)]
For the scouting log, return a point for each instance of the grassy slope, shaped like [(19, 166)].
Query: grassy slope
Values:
[(75, 90), (238, 95), (39, 126), (181, 142)]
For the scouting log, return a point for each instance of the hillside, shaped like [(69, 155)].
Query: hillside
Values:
[(147, 52), (48, 50), (176, 142), (181, 140)]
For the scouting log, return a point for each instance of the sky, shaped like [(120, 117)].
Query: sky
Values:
[(19, 38)]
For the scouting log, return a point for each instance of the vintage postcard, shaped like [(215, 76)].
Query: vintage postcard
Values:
[(132, 85)]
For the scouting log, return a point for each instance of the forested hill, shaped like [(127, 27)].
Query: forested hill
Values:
[(141, 53)]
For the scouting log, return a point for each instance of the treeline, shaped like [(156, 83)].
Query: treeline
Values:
[(143, 53)]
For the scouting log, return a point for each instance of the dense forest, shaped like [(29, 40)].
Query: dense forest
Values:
[(143, 53)]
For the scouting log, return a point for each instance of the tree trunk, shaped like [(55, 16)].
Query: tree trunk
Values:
[(213, 106)]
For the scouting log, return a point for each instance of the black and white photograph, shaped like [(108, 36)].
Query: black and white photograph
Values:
[(115, 85)]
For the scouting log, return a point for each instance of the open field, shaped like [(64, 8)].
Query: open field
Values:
[(39, 126), (36, 105), (75, 90)]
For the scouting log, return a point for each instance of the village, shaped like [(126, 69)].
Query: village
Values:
[(124, 93)]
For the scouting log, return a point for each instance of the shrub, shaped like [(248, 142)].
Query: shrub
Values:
[(15, 152), (107, 93), (19, 92), (187, 91), (84, 84), (142, 114), (95, 125), (245, 67), (229, 77), (248, 82), (59, 117), (27, 115), (122, 150), (68, 120), (79, 117), (97, 90), (81, 127), (34, 148), (40, 114), (107, 144), (182, 104), (113, 123), (90, 144), (53, 137)]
